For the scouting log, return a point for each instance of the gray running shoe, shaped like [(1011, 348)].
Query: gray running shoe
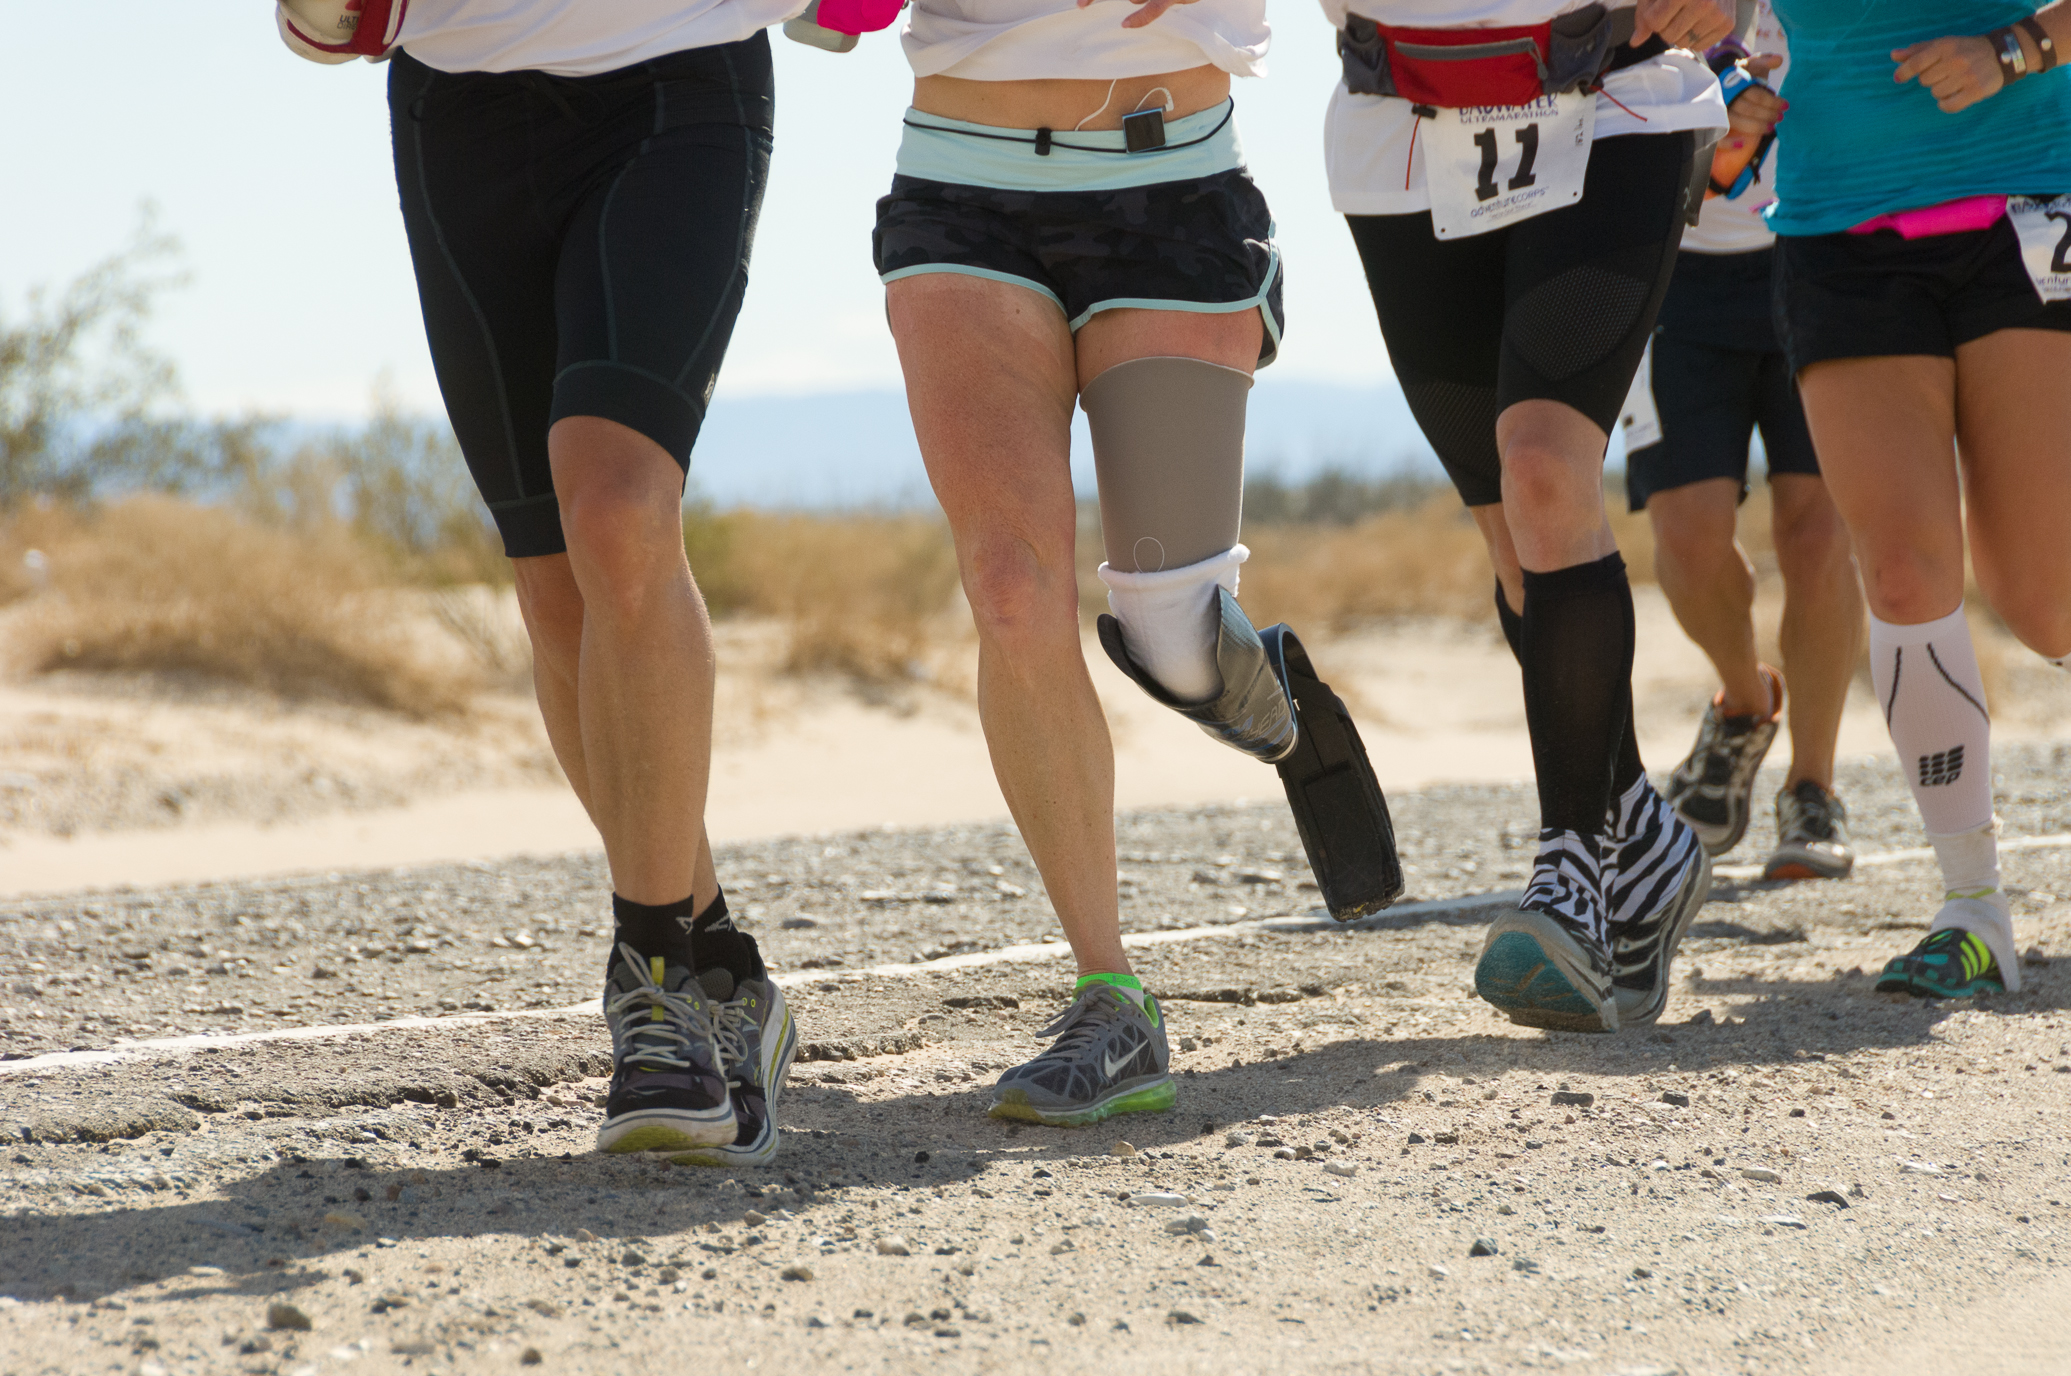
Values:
[(1109, 1057), (668, 1081), (1643, 949), (1713, 790), (1811, 835), (757, 1039)]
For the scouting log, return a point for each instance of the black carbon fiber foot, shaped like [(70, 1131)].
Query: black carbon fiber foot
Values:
[(1331, 789)]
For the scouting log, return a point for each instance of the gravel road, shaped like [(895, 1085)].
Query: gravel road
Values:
[(1789, 1174)]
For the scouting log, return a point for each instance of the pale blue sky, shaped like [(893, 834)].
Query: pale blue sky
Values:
[(275, 174)]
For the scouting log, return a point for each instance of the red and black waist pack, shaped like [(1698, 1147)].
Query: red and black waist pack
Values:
[(1458, 68)]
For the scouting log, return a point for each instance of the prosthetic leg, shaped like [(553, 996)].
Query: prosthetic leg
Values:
[(1168, 448)]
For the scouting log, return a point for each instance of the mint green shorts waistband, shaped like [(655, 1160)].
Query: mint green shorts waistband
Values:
[(950, 150)]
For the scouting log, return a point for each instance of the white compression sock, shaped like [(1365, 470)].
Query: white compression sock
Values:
[(1934, 702), (1169, 622)]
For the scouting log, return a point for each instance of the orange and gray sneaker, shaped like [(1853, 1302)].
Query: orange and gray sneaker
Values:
[(1811, 835), (1713, 790)]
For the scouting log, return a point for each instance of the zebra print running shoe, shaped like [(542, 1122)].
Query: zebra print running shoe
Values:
[(1544, 963), (1656, 877)]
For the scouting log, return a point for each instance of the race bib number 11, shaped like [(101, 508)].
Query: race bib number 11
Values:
[(2044, 224), (1487, 166)]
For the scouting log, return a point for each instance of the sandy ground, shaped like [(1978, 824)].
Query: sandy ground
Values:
[(103, 783), (341, 1124)]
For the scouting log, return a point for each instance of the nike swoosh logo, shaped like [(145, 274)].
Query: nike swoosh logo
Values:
[(1110, 1064)]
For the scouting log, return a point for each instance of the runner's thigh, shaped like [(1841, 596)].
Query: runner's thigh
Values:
[(655, 260), (1583, 284), (485, 264), (1440, 304)]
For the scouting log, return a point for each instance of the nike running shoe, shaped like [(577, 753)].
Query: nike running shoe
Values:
[(668, 1081), (1811, 835), (757, 1041), (1951, 964), (1714, 788), (1544, 963), (1110, 1057)]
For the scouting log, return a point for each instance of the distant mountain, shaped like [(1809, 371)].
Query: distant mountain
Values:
[(857, 448)]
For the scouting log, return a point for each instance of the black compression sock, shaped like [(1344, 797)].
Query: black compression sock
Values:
[(1576, 644), (654, 929), (1628, 768), (1510, 621), (715, 943)]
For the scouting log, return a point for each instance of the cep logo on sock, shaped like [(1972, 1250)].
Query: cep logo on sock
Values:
[(1943, 767)]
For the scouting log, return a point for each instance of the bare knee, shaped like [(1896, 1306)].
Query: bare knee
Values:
[(1907, 587), (1694, 529), (1020, 600), (1811, 539), (623, 550), (552, 606)]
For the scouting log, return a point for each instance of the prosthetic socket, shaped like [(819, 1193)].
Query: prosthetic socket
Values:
[(1168, 444)]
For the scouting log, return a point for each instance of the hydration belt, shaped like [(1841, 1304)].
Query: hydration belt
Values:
[(1461, 68)]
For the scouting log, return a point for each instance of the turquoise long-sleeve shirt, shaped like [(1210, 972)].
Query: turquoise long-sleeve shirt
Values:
[(1861, 145)]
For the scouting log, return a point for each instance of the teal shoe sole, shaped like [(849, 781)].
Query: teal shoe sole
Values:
[(1922, 986), (1516, 976)]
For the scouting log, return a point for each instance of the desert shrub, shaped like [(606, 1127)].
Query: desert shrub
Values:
[(1335, 496), (1424, 561), (154, 584), (863, 595)]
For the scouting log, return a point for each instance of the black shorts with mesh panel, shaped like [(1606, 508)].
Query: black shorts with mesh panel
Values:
[(581, 247), (1554, 308)]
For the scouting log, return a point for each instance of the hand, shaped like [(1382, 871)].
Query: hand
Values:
[(1755, 111), (1692, 24), (1960, 71), (1147, 13)]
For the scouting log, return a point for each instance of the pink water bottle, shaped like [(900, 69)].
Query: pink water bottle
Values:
[(834, 24)]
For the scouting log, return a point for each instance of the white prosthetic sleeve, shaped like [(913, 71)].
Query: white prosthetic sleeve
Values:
[(1170, 623), (1934, 703)]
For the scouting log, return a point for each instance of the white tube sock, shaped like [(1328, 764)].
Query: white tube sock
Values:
[(1169, 623), (1934, 703)]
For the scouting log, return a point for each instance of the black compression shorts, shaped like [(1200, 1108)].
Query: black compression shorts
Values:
[(1554, 308), (1716, 375), (1876, 295), (581, 247)]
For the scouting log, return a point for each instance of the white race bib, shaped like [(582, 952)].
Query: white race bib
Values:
[(1640, 420), (1487, 166), (2044, 224)]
